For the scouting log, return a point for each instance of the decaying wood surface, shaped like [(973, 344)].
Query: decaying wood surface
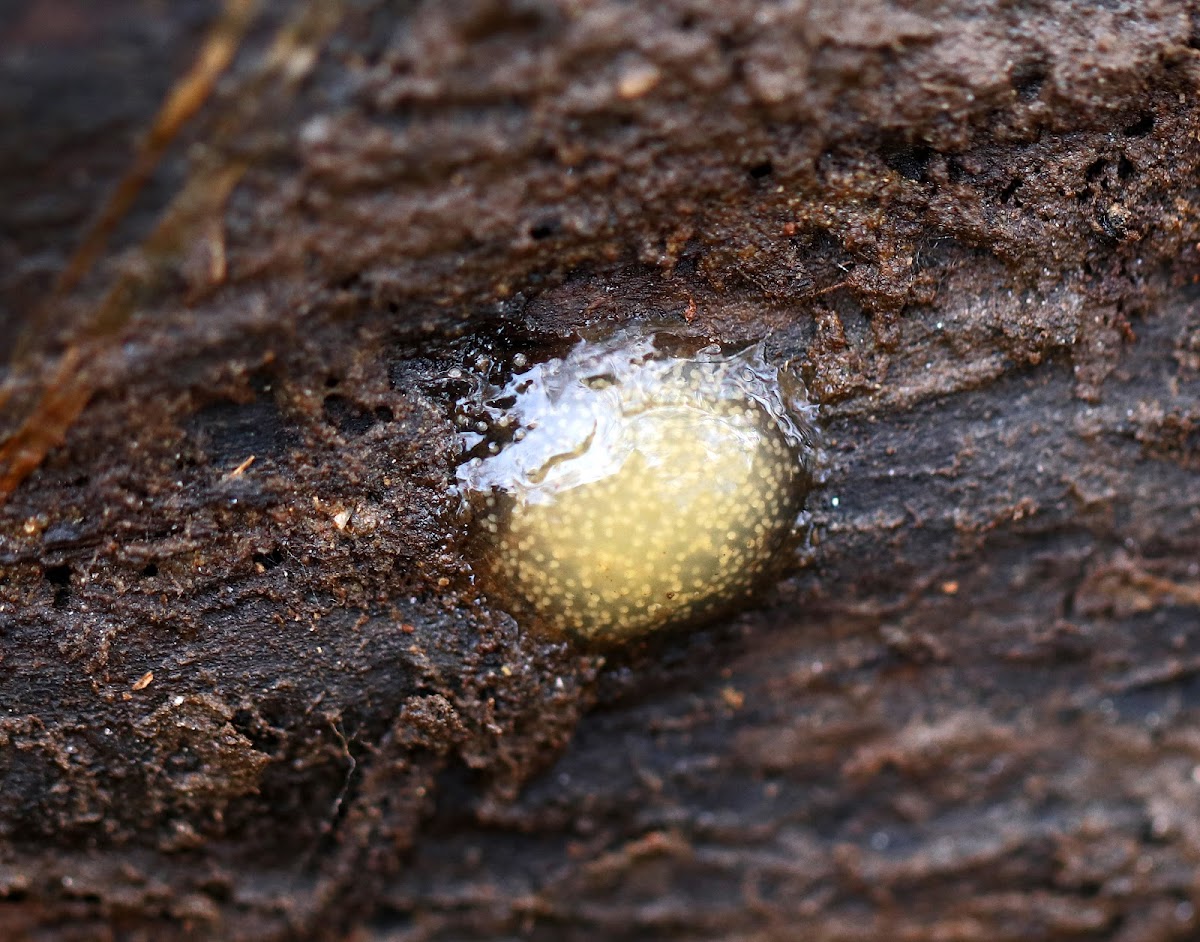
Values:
[(248, 690)]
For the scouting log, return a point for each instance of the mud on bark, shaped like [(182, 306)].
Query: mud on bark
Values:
[(248, 689)]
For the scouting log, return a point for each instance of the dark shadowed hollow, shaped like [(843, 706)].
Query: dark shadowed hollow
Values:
[(250, 686)]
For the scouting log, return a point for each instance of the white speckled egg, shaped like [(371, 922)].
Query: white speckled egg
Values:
[(620, 490)]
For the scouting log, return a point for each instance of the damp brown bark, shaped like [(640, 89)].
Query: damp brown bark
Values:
[(247, 689)]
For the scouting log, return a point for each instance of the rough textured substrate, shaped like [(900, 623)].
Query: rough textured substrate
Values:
[(969, 714)]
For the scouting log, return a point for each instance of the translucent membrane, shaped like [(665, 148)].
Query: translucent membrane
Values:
[(619, 489)]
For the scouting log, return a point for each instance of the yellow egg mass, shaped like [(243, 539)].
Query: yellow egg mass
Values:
[(631, 490)]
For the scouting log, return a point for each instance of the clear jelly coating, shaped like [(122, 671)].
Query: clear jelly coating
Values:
[(621, 488)]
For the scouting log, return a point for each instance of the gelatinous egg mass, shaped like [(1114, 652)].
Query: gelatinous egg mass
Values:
[(621, 489)]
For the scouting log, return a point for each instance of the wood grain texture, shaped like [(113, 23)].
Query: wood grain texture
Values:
[(263, 699)]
